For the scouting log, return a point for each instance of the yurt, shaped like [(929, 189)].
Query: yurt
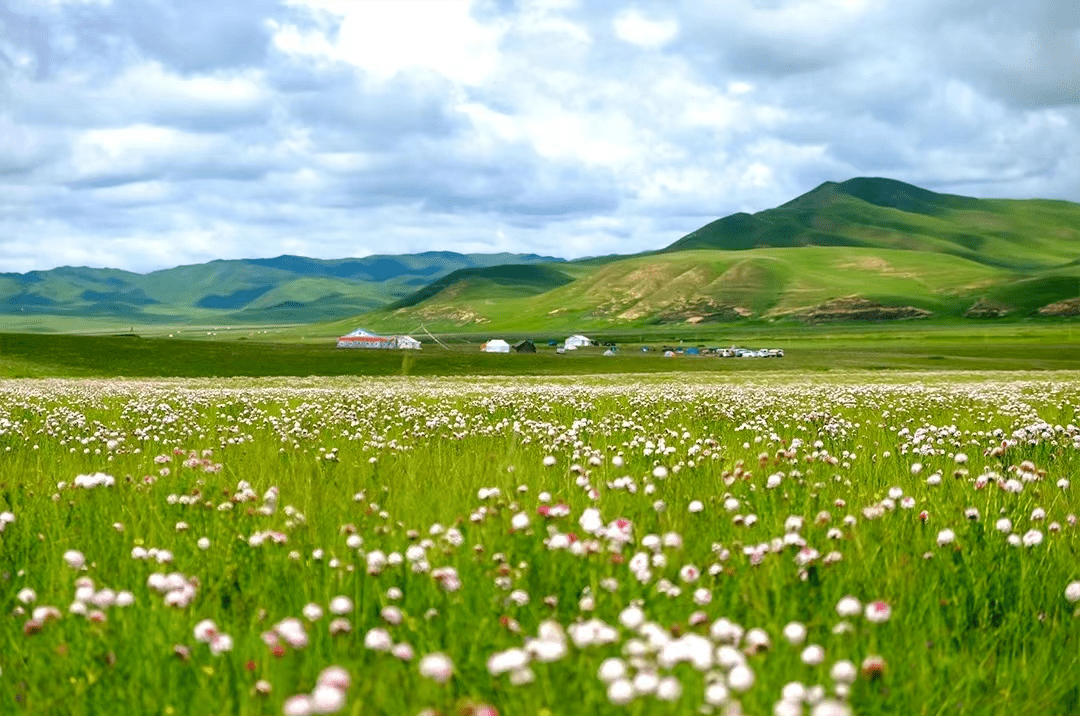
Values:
[(576, 341), (408, 343), (496, 345)]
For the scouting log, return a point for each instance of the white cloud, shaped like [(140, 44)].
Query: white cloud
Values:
[(145, 135), (633, 27)]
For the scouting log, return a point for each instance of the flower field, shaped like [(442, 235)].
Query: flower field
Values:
[(605, 545)]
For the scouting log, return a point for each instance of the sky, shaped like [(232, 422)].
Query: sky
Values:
[(145, 134)]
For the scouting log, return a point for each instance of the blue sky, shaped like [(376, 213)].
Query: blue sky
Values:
[(143, 134)]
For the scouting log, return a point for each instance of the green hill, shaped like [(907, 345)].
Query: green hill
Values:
[(864, 248), (292, 289), (1021, 235)]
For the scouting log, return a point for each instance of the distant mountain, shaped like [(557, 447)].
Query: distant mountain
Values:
[(864, 248), (282, 289)]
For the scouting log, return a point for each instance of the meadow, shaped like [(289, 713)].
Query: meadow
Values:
[(841, 543)]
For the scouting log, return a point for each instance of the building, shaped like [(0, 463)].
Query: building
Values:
[(361, 338), (525, 346), (407, 343)]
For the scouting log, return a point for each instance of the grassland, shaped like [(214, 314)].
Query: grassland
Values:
[(676, 544), (309, 351)]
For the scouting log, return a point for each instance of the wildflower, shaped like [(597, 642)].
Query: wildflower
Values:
[(696, 506), (843, 672), (878, 612), (1032, 538), (945, 537), (669, 689), (873, 667), (27, 595), (437, 667), (620, 692), (341, 605), (716, 694), (378, 639), (848, 607), (812, 655), (1072, 592), (740, 678), (549, 461), (326, 699), (403, 651), (312, 612), (299, 705), (74, 559), (795, 633), (1003, 525)]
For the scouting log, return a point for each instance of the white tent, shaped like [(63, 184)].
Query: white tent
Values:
[(576, 341), (408, 343), (496, 345)]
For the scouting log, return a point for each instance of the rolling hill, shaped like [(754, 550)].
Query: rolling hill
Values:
[(862, 249), (292, 289)]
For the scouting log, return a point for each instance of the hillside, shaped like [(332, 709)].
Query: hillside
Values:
[(873, 249), (282, 289), (1021, 235)]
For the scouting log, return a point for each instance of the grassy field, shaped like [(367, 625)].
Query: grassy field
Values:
[(671, 544), (308, 351)]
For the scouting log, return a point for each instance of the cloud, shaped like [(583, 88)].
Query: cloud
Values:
[(148, 133)]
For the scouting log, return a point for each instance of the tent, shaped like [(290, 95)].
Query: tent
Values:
[(408, 343), (525, 346), (669, 354), (693, 352), (496, 345), (576, 341), (609, 352)]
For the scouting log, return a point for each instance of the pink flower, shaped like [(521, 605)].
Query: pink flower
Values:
[(878, 612)]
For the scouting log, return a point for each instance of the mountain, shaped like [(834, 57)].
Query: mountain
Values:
[(1020, 235), (282, 289), (863, 248)]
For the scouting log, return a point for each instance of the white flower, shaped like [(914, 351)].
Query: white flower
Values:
[(378, 640), (620, 692), (848, 607), (696, 506), (611, 669), (843, 672), (716, 694), (299, 705), (1032, 538), (27, 595), (341, 605), (75, 559), (312, 612), (590, 521), (1072, 592), (945, 537), (1003, 525), (669, 689), (795, 633), (326, 699), (203, 543), (437, 667), (632, 617), (549, 461), (813, 655), (740, 678)]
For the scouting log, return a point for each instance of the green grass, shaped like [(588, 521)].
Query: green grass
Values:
[(977, 627), (950, 347)]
